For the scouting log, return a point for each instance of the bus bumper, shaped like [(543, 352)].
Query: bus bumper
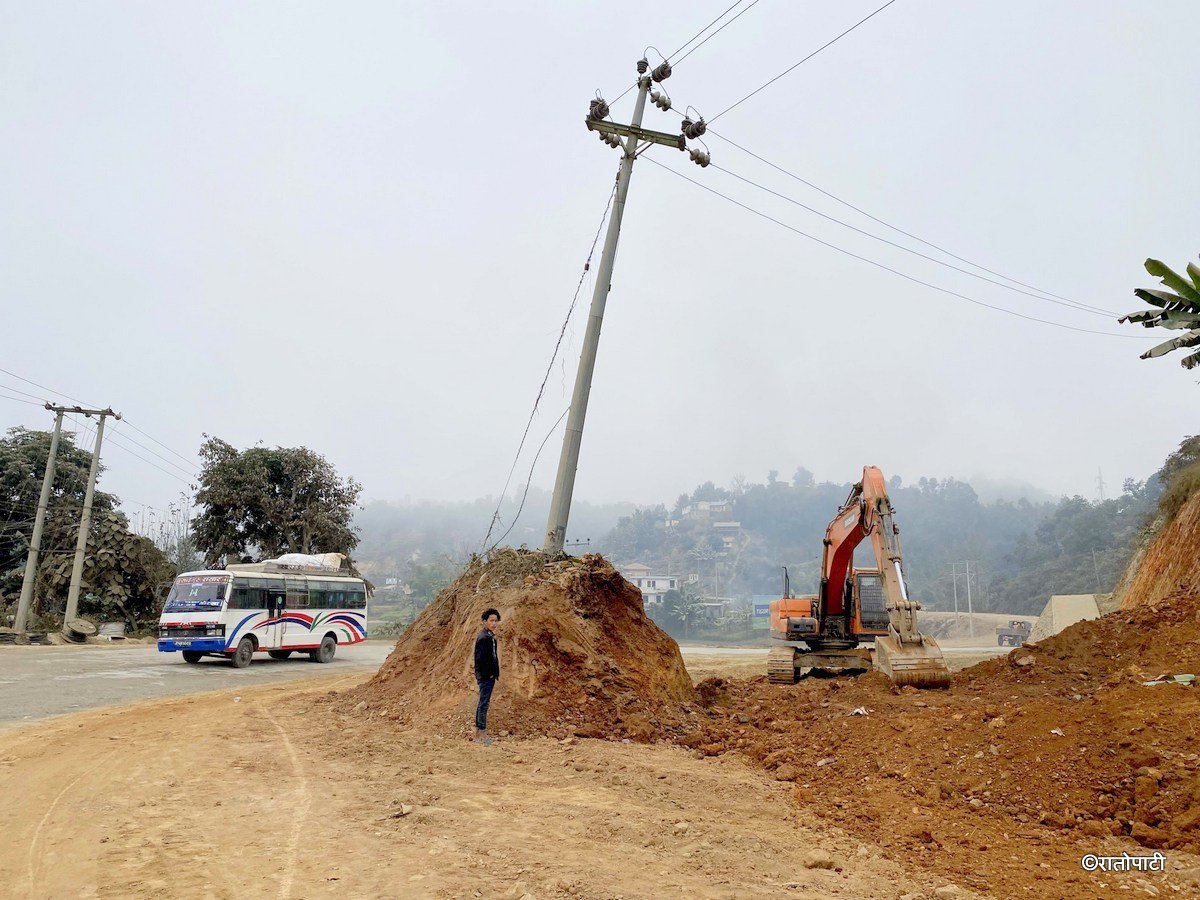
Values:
[(196, 645)]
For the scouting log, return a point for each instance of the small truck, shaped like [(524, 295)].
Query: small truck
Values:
[(1013, 634)]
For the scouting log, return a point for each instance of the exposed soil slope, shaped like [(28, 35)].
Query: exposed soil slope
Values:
[(1171, 563), (578, 655)]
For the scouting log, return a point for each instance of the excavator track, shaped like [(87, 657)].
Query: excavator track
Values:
[(781, 665)]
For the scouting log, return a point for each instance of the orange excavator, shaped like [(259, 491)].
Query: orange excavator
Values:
[(855, 608)]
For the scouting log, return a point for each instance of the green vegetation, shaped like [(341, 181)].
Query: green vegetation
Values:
[(124, 573), (1177, 308), (266, 501)]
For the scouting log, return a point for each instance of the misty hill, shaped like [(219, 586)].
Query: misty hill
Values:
[(732, 542), (1021, 551)]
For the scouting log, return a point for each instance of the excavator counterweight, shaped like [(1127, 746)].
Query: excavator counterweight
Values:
[(854, 608)]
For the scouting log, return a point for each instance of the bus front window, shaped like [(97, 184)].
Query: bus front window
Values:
[(194, 593)]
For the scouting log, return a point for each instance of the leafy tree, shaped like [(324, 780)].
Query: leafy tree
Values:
[(266, 501), (124, 574), (1178, 308)]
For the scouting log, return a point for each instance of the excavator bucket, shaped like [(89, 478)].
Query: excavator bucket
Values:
[(920, 665)]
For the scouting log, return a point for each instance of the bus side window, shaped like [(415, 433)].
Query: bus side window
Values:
[(356, 597), (318, 596), (238, 595)]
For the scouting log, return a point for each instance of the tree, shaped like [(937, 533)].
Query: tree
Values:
[(124, 574), (1178, 310), (267, 501)]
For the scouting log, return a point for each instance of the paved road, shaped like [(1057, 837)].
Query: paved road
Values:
[(46, 681), (36, 682)]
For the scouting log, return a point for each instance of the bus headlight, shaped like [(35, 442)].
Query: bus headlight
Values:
[(215, 631)]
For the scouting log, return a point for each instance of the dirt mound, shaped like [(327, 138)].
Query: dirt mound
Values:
[(578, 655), (1061, 743), (1171, 563)]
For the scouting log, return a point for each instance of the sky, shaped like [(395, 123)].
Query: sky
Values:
[(359, 227)]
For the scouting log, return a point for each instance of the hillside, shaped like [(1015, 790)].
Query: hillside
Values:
[(1170, 565)]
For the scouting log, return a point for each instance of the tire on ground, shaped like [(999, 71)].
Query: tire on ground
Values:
[(244, 654), (325, 652)]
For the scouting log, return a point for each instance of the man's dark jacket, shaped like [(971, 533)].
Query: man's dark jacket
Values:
[(487, 656)]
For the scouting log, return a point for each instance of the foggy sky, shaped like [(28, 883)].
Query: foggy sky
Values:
[(358, 227)]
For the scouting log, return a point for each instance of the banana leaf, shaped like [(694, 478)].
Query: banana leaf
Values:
[(1147, 317), (1190, 362), (1194, 271), (1173, 280), (1165, 299), (1191, 339)]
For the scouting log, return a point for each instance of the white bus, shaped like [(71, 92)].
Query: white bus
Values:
[(262, 608)]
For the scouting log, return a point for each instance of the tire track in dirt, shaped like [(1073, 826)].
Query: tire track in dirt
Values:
[(37, 832), (301, 808)]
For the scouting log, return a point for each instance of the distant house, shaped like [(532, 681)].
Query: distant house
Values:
[(652, 586), (728, 532), (706, 510)]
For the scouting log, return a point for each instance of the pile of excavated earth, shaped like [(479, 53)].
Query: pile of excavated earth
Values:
[(1005, 779), (578, 655), (1056, 742)]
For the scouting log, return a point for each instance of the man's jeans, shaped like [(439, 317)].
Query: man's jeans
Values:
[(485, 697)]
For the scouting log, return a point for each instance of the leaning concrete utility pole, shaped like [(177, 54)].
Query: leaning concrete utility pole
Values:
[(86, 521), (39, 521), (611, 133)]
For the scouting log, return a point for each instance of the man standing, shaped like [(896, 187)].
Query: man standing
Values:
[(487, 671)]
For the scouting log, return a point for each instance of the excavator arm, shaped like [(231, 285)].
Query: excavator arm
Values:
[(905, 655)]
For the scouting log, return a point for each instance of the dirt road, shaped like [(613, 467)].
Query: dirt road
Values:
[(247, 794)]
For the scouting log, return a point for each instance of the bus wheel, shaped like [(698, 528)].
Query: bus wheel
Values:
[(279, 654), (244, 654), (325, 652), (192, 656)]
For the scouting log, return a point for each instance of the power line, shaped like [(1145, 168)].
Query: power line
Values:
[(43, 387), (148, 462), (899, 230), (692, 38), (932, 259), (718, 31), (20, 400), (550, 366), (886, 268), (705, 28), (153, 452), (806, 59), (529, 480), (157, 441)]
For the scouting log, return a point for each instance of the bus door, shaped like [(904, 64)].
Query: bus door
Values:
[(295, 631), (271, 636)]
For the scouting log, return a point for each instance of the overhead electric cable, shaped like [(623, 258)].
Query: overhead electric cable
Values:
[(157, 441), (128, 437), (715, 33), (43, 387), (529, 479), (886, 268), (549, 368), (20, 400), (802, 62), (933, 259), (692, 38), (898, 230)]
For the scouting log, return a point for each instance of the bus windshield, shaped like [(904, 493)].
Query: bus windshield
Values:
[(193, 593)]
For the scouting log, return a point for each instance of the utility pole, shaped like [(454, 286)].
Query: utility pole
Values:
[(86, 521), (611, 133), (1100, 483), (1096, 569), (970, 609), (954, 576), (39, 521)]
